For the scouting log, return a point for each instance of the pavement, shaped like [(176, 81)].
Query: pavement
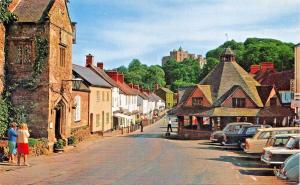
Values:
[(142, 159)]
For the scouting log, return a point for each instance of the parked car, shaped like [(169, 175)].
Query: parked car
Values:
[(218, 136), (277, 155), (238, 139), (289, 169), (278, 140), (255, 144)]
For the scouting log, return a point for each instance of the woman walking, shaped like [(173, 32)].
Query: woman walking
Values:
[(22, 141), (12, 138)]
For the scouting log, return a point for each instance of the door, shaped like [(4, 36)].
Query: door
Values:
[(91, 122)]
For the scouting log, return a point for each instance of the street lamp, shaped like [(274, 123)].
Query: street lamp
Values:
[(76, 82)]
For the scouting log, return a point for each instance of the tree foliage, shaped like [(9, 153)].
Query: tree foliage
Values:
[(183, 73), (257, 50), (143, 75)]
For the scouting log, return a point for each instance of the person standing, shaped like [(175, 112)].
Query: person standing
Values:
[(22, 141), (12, 139), (142, 125), (169, 125)]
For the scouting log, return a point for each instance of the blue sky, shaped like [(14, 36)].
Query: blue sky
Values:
[(117, 31)]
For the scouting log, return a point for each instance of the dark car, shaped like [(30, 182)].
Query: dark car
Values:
[(238, 139), (218, 136)]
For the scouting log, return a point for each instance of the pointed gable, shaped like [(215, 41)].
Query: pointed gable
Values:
[(235, 92), (200, 91)]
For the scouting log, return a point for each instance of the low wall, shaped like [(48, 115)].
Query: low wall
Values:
[(193, 134)]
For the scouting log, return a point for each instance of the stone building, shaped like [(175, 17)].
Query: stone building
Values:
[(40, 66), (179, 55), (296, 88)]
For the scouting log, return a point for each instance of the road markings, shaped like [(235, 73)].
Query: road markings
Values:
[(253, 178)]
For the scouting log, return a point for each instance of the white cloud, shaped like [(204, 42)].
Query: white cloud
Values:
[(168, 23)]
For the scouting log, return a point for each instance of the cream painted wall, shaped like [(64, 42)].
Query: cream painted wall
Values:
[(101, 108)]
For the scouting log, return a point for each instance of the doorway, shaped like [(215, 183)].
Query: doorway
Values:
[(59, 120)]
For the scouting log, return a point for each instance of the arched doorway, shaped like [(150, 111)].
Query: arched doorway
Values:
[(60, 120)]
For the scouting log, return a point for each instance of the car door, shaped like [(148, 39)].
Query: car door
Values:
[(261, 142)]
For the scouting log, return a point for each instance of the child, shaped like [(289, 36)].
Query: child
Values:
[(12, 138), (22, 141)]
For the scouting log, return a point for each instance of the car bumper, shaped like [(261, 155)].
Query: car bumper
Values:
[(230, 144), (263, 159), (213, 139)]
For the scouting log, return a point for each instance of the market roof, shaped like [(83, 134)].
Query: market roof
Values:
[(91, 77), (264, 92), (32, 10), (227, 74), (228, 51)]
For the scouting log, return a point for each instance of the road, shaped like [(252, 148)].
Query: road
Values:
[(142, 159)]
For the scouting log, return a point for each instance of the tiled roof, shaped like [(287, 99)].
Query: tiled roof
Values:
[(32, 10), (276, 111), (166, 90), (154, 97), (206, 90), (227, 74), (187, 91), (228, 51), (264, 92), (91, 77), (228, 111), (139, 93), (104, 76), (126, 89), (281, 80), (219, 101)]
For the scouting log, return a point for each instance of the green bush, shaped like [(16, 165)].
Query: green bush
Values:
[(3, 116), (59, 144), (71, 140), (32, 142)]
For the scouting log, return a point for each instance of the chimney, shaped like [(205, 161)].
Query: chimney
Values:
[(113, 75), (137, 87), (121, 78), (100, 65), (89, 60), (156, 86), (13, 5), (254, 68), (131, 85), (267, 66), (146, 91)]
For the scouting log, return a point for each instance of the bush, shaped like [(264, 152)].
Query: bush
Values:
[(59, 144), (32, 142), (3, 116), (71, 140)]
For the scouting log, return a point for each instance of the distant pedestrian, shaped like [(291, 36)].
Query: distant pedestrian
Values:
[(169, 125), (22, 141), (12, 139), (142, 125)]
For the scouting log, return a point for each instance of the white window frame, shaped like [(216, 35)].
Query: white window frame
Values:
[(78, 108)]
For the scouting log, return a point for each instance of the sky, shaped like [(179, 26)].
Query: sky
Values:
[(117, 31)]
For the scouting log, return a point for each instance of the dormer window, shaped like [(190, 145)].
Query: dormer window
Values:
[(197, 101), (238, 102)]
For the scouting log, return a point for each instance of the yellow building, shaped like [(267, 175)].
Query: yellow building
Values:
[(296, 102)]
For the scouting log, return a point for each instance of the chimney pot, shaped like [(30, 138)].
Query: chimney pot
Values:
[(100, 65), (89, 60)]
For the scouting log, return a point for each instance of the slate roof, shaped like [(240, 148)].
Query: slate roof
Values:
[(281, 80), (104, 76), (32, 10), (166, 90), (154, 97), (227, 74), (264, 92), (91, 77)]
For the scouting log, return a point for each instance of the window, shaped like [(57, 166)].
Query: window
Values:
[(102, 118), (98, 96), (197, 101), (103, 96), (238, 102), (78, 108), (62, 55), (107, 117), (24, 53), (251, 130), (273, 101), (280, 142), (264, 135), (97, 120), (107, 96)]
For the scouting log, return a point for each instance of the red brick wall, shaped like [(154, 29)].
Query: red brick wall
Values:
[(2, 56), (198, 93), (239, 93), (84, 106)]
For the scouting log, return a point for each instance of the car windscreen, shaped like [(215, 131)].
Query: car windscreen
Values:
[(251, 130), (291, 142), (280, 142)]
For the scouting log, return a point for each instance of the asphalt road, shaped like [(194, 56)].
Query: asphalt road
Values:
[(142, 159)]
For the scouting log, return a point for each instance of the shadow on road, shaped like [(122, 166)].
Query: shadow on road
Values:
[(258, 172), (141, 135)]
